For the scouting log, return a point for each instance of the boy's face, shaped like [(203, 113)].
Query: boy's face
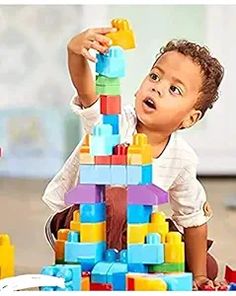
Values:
[(165, 99)]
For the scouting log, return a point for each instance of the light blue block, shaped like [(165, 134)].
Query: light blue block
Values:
[(113, 120), (100, 271), (118, 174), (102, 140), (150, 253), (179, 281), (111, 255), (92, 213), (95, 174), (112, 63), (138, 214), (117, 276), (70, 273), (139, 174)]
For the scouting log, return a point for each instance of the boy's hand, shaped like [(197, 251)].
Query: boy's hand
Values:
[(202, 283), (91, 38)]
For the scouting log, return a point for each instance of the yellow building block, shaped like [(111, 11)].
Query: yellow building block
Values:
[(149, 284), (174, 248), (124, 36), (59, 246), (140, 152), (6, 257), (75, 223), (159, 225), (84, 152), (136, 233), (85, 283), (92, 232)]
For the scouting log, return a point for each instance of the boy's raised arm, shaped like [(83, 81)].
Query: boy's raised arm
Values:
[(78, 54)]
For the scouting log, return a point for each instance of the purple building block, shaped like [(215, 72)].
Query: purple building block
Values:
[(146, 195), (85, 193)]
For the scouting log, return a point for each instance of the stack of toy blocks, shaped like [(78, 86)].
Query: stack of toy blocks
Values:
[(151, 249), (6, 252)]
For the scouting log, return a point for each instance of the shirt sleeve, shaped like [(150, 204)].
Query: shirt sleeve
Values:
[(188, 199), (89, 116), (64, 180)]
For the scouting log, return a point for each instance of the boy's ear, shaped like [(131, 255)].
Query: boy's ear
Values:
[(191, 119)]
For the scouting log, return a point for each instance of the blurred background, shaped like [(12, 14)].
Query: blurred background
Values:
[(38, 131)]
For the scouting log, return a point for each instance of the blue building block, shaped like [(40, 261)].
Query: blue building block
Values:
[(232, 287), (150, 253), (92, 213), (139, 214), (113, 120), (95, 174), (87, 254), (111, 255), (102, 141), (117, 276), (100, 271), (112, 63), (139, 174), (118, 174), (137, 267), (179, 281), (70, 273)]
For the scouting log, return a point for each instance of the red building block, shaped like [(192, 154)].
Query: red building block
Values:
[(105, 159), (130, 284), (110, 104), (230, 275), (119, 156), (86, 273), (100, 287)]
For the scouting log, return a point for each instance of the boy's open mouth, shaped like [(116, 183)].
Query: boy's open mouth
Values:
[(150, 103)]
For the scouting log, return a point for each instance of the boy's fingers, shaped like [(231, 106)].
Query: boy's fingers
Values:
[(98, 47), (104, 30), (103, 39), (87, 55)]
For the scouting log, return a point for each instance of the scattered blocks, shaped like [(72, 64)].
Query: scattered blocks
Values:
[(112, 63), (70, 273), (107, 86), (7, 255), (110, 104), (124, 36)]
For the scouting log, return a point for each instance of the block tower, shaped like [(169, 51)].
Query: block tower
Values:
[(6, 252), (81, 254)]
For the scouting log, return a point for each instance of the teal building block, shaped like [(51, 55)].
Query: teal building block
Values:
[(179, 281), (138, 213), (138, 268), (111, 255), (150, 253), (113, 120), (95, 174), (92, 213), (100, 271), (107, 86), (139, 174), (112, 63), (119, 174), (70, 273), (117, 276), (102, 140)]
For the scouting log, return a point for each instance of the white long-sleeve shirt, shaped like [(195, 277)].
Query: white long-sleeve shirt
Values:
[(174, 170)]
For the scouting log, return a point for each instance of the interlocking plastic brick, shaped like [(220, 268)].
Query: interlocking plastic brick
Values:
[(92, 213), (119, 156), (95, 174), (112, 63), (139, 174), (118, 175), (110, 104), (107, 86), (7, 255), (167, 267), (85, 193), (138, 214), (113, 120)]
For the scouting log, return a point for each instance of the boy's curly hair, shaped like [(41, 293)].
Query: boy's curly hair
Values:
[(212, 70)]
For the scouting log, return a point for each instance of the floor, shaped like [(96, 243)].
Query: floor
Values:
[(23, 214)]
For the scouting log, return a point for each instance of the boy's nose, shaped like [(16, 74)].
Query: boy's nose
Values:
[(156, 89)]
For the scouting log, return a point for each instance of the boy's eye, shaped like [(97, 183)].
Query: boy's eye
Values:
[(154, 76), (175, 90)]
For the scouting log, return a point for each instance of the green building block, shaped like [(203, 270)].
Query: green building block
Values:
[(107, 86), (167, 267)]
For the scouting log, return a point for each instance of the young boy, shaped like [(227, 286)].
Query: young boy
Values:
[(180, 87)]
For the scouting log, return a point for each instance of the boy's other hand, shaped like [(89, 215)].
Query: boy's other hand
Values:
[(91, 38)]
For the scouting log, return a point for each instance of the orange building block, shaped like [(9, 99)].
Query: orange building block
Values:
[(174, 248), (75, 223), (140, 152), (85, 283), (124, 36), (159, 225), (60, 245), (7, 257), (84, 152)]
